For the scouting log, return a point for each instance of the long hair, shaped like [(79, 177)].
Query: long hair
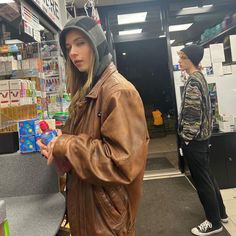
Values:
[(78, 85)]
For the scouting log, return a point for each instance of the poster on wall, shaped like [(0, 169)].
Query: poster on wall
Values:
[(206, 60), (232, 39), (217, 52)]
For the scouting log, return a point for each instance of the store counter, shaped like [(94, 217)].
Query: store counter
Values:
[(30, 188)]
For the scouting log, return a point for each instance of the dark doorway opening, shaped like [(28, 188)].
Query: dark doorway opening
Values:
[(145, 64)]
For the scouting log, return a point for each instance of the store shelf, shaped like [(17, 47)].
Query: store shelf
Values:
[(216, 37), (50, 58), (53, 75), (52, 92)]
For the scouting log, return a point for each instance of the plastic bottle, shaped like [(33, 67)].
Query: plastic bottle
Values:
[(47, 134), (4, 227)]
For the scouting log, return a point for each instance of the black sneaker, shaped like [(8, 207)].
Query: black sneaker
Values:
[(206, 228)]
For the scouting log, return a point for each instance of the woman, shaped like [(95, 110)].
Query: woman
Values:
[(195, 128), (104, 144)]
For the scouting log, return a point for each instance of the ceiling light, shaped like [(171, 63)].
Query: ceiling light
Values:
[(13, 41), (134, 31), (162, 36), (6, 1), (179, 27), (171, 41), (188, 43), (206, 6), (196, 7), (131, 18), (124, 53)]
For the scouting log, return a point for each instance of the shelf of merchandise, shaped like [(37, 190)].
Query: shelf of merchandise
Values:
[(230, 29), (53, 69)]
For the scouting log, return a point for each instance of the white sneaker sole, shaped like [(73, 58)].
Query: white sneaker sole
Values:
[(196, 232), (226, 220)]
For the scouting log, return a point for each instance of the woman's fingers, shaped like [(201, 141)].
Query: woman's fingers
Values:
[(59, 132), (45, 153), (50, 160), (42, 146)]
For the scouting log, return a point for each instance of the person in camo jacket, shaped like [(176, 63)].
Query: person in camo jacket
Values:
[(194, 129)]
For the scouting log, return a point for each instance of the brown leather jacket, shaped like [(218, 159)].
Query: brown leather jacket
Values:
[(108, 153)]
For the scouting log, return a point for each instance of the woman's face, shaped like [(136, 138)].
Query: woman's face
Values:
[(79, 50)]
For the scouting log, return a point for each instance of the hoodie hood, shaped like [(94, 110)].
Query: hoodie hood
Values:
[(97, 39)]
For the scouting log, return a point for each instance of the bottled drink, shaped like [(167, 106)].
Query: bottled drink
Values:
[(47, 133)]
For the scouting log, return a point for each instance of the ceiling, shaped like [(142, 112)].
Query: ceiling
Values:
[(81, 3), (153, 26)]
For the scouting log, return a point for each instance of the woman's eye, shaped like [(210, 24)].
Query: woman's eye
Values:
[(80, 43)]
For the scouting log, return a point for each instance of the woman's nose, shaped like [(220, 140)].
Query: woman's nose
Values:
[(73, 51)]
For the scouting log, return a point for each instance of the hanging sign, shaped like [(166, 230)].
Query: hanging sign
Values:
[(28, 29), (31, 22), (29, 16), (51, 9)]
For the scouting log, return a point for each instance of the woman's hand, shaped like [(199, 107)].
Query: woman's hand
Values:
[(46, 150), (62, 166)]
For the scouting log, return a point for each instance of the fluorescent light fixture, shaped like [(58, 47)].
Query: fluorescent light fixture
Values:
[(188, 43), (13, 41), (171, 41), (180, 27), (162, 36), (124, 53), (134, 31), (206, 6), (131, 18), (196, 7), (6, 1)]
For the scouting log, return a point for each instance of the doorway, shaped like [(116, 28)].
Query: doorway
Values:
[(142, 58), (145, 64)]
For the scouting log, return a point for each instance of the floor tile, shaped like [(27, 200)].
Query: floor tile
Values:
[(233, 218), (228, 194), (231, 228), (230, 207)]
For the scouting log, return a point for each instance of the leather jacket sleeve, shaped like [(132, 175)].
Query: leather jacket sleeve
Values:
[(120, 155)]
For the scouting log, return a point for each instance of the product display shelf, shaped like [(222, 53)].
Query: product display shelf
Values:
[(227, 31), (54, 74), (9, 116)]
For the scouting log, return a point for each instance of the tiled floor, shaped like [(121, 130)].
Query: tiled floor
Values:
[(229, 197), (167, 145), (163, 144)]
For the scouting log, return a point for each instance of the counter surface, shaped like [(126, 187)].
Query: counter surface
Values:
[(35, 215), (30, 188)]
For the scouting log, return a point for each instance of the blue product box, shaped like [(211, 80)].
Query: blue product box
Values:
[(37, 137), (27, 127), (27, 144)]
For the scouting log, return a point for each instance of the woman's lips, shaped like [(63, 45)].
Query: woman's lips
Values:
[(78, 62)]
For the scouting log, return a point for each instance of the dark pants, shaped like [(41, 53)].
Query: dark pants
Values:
[(196, 153)]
